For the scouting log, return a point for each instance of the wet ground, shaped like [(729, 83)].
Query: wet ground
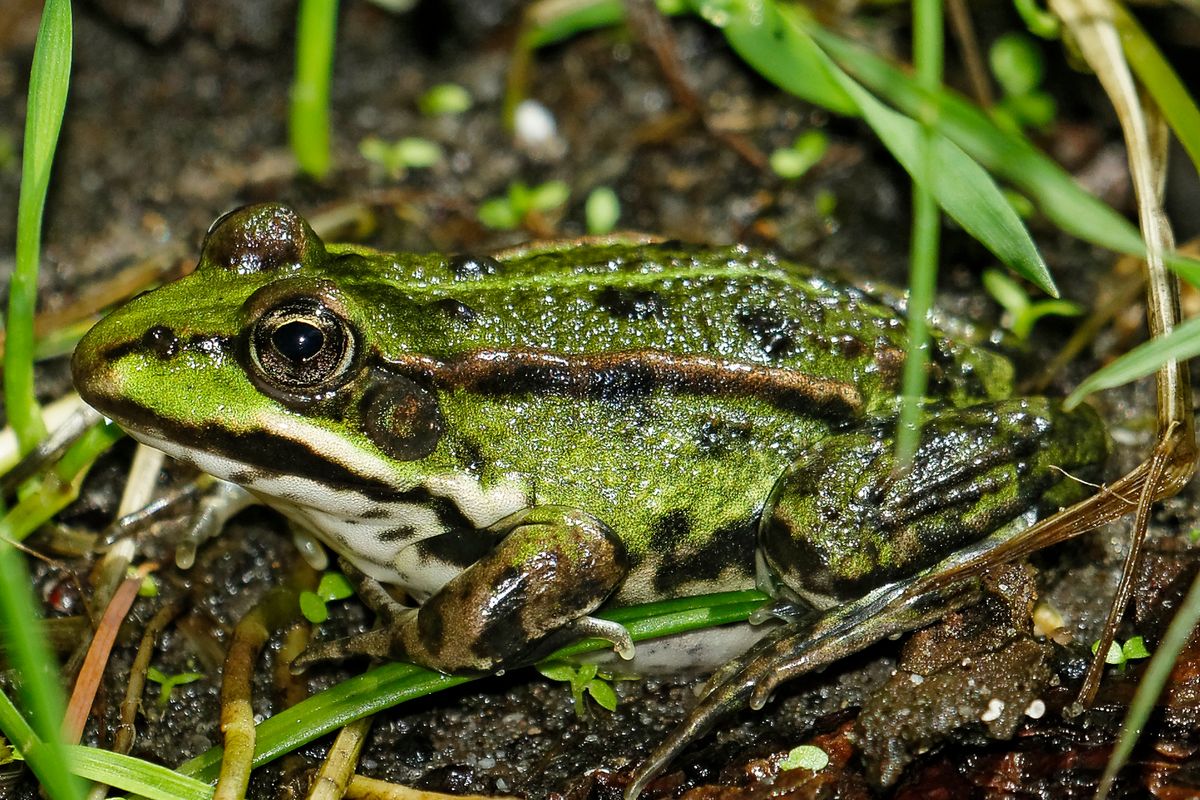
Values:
[(177, 113)]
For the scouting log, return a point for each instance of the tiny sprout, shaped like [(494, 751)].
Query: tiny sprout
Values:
[(445, 99), (506, 213), (396, 158), (583, 678), (807, 756), (1133, 649), (1021, 312), (1016, 61), (314, 605), (169, 682), (602, 209), (793, 162)]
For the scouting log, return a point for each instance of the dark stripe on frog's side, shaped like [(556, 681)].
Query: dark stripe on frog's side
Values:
[(730, 546), (631, 304), (460, 547), (633, 373)]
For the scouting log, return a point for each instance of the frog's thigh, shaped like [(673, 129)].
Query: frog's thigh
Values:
[(845, 519), (534, 589)]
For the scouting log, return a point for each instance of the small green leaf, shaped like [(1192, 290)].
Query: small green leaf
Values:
[(445, 98), (1135, 647), (549, 195), (602, 692), (808, 149), (825, 202), (1005, 291), (601, 210), (556, 670), (1115, 656), (806, 756), (1016, 61), (334, 586), (313, 607), (168, 682), (497, 213), (416, 153), (148, 587)]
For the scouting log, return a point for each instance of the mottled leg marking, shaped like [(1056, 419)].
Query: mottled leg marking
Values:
[(550, 568)]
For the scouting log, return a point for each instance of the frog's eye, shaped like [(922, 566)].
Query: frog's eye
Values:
[(301, 345)]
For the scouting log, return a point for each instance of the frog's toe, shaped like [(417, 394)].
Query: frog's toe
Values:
[(612, 632), (377, 643)]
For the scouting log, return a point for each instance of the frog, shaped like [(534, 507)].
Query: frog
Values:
[(519, 442)]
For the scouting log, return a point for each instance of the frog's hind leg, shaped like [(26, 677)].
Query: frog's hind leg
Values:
[(790, 652)]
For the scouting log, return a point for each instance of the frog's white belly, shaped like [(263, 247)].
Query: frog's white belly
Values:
[(683, 654)]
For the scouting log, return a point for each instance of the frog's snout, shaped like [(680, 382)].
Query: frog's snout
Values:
[(92, 376)]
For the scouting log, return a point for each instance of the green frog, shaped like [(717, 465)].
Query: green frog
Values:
[(520, 441)]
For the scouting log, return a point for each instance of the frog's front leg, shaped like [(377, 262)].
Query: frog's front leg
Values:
[(551, 567)]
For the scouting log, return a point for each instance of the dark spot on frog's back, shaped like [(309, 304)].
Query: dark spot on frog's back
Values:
[(631, 304), (468, 267), (257, 238), (669, 530), (772, 332), (454, 310), (717, 436)]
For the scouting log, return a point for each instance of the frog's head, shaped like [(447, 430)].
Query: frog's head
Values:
[(256, 366)]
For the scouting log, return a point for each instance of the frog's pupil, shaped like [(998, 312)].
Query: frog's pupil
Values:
[(298, 340)]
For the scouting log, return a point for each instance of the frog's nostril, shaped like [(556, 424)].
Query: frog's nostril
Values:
[(161, 341)]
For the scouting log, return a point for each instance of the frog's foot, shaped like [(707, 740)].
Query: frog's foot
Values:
[(217, 505), (790, 652), (378, 642)]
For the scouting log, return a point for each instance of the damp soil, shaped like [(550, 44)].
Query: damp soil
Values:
[(177, 114)]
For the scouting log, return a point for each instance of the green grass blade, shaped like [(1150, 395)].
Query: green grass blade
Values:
[(46, 759), (135, 776), (926, 234), (773, 40), (308, 126), (780, 52), (1182, 343), (1157, 76), (49, 79), (1009, 155), (39, 687)]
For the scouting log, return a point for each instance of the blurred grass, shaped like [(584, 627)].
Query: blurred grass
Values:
[(316, 28), (26, 648)]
